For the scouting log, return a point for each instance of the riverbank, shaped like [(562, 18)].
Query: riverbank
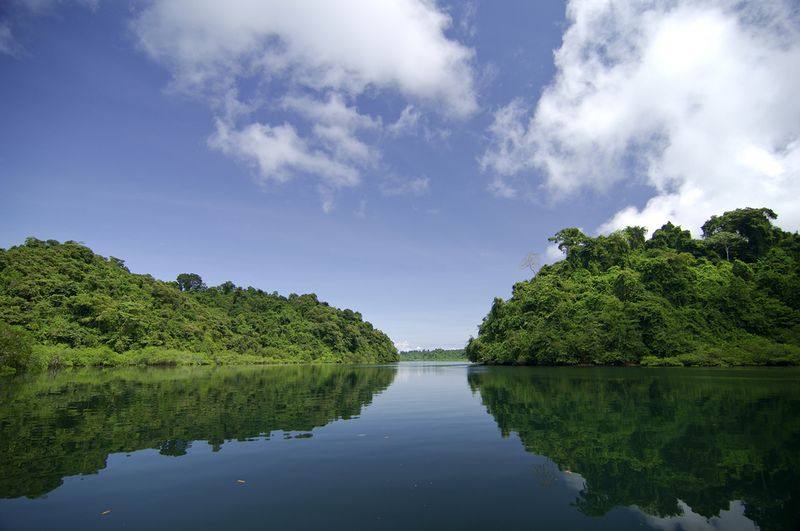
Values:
[(45, 357), (770, 355)]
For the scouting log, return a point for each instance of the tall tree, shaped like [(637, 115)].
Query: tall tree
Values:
[(190, 282), (753, 224), (727, 242)]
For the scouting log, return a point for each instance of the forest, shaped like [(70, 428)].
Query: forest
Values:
[(731, 297), (437, 354), (63, 305)]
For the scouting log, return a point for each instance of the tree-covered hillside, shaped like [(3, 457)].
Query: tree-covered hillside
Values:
[(730, 298), (68, 299)]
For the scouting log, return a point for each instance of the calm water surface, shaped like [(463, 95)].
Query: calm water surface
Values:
[(412, 446)]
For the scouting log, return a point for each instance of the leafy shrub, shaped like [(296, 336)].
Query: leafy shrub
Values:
[(652, 361)]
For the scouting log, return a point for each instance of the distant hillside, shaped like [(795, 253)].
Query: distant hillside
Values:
[(730, 298), (66, 299), (436, 354)]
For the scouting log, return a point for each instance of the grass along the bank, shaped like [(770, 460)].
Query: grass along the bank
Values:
[(47, 357), (742, 351), (53, 357)]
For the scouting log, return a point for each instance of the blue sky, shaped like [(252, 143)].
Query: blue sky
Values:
[(400, 158)]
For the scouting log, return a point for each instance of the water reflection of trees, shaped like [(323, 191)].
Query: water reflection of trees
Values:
[(652, 437), (53, 426)]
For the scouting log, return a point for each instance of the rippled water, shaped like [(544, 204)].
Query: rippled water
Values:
[(412, 446)]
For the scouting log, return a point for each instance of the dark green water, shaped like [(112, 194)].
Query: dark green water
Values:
[(414, 446)]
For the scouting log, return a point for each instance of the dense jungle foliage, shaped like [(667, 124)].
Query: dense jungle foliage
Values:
[(53, 426), (437, 354), (730, 298), (656, 439), (61, 305)]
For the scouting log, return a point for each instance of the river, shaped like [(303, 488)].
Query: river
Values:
[(407, 446)]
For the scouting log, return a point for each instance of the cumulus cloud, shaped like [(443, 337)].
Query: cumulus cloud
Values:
[(278, 152), (334, 111), (511, 150), (346, 45), (312, 58), (335, 125), (696, 98)]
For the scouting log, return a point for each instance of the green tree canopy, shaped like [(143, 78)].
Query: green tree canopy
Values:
[(63, 294), (752, 224), (190, 282), (731, 298)]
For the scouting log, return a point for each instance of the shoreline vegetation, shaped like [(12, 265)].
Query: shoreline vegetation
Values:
[(437, 354), (62, 305), (730, 298)]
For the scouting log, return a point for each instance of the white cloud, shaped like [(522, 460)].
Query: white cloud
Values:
[(396, 186), (345, 45), (8, 45), (552, 254), (278, 152), (511, 146), (436, 136), (406, 123), (697, 99), (412, 122), (335, 125), (334, 111), (499, 187), (469, 18), (403, 346), (331, 152), (323, 55)]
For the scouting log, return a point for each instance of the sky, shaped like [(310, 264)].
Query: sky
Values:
[(401, 158)]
